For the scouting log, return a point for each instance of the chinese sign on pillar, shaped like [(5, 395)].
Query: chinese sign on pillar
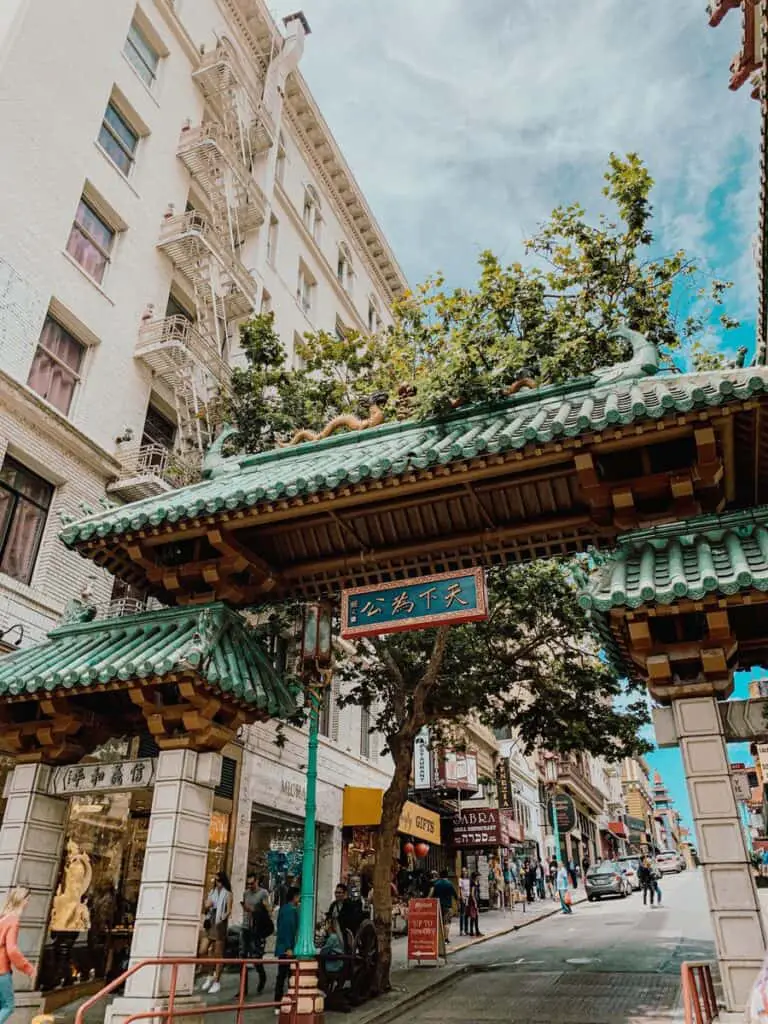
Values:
[(442, 600), (102, 777)]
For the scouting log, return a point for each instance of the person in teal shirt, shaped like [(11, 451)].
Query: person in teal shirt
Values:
[(285, 938), (444, 891)]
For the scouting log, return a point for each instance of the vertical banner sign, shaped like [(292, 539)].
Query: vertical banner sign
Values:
[(504, 783), (444, 599), (422, 760), (425, 930)]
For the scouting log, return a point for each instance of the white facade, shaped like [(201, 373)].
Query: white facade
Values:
[(525, 785), (164, 173)]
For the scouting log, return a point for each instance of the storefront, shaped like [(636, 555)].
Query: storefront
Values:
[(613, 840), (417, 851), (90, 926), (484, 838)]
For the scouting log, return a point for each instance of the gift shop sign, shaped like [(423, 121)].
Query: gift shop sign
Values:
[(425, 939), (444, 599), (102, 777)]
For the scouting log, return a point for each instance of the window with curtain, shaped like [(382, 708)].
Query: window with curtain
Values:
[(142, 55), (118, 139), (56, 366), (25, 499), (90, 241)]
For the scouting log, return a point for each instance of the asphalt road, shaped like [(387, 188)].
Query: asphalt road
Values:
[(612, 962)]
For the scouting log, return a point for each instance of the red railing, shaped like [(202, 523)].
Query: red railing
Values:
[(699, 1000), (169, 1013)]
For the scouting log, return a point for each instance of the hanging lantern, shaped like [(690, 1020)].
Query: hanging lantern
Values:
[(408, 849), (422, 849)]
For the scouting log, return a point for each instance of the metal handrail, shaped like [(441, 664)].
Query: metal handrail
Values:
[(144, 460), (699, 1000), (193, 222), (169, 1013), (180, 330)]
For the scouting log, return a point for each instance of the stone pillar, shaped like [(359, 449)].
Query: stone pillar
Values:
[(733, 902), (310, 1008), (169, 910), (31, 839)]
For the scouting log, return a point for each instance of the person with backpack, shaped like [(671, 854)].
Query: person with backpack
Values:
[(257, 926), (646, 880), (10, 955)]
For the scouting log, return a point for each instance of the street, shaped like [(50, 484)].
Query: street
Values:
[(615, 961)]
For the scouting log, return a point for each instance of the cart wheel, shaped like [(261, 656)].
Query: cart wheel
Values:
[(366, 961)]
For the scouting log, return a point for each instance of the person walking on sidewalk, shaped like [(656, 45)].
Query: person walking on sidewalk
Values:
[(540, 877), (10, 955), (562, 889), (444, 891), (645, 878), (473, 906), (285, 940), (464, 902), (218, 907), (655, 876)]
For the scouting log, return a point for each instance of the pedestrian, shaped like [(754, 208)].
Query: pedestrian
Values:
[(218, 909), (530, 881), (552, 879), (464, 902), (473, 905), (540, 879), (257, 925), (656, 875), (585, 865), (645, 878), (10, 955), (444, 891), (562, 889), (572, 874), (285, 940)]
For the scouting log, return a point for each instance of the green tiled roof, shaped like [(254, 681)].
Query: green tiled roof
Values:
[(214, 640), (530, 417), (712, 554)]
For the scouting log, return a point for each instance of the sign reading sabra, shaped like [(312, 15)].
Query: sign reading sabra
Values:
[(102, 777)]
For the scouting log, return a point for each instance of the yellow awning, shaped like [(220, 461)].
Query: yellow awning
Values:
[(362, 806)]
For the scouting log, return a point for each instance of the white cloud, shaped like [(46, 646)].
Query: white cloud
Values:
[(466, 121)]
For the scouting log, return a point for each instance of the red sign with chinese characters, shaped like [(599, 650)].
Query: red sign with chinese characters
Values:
[(445, 599), (424, 924)]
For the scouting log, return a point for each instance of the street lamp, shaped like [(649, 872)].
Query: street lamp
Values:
[(550, 774), (315, 662)]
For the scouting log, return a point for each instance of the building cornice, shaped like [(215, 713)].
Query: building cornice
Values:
[(27, 405)]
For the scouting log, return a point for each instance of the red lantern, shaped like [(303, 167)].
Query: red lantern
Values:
[(408, 848), (422, 849)]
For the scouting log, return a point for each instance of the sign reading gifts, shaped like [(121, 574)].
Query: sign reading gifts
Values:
[(444, 599), (486, 826), (101, 777)]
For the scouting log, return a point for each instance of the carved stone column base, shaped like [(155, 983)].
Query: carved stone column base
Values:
[(311, 999)]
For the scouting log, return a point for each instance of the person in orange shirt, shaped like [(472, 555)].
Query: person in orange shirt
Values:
[(10, 955)]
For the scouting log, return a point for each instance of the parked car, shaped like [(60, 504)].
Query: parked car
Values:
[(606, 879), (629, 866), (668, 863)]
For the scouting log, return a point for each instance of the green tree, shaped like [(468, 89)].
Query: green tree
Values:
[(532, 666)]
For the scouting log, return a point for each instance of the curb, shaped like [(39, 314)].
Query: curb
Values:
[(408, 1000), (512, 928)]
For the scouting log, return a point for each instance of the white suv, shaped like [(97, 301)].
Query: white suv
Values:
[(668, 863)]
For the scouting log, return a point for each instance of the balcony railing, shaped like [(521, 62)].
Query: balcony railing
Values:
[(168, 346), (572, 773), (219, 80), (205, 150), (190, 241), (143, 471)]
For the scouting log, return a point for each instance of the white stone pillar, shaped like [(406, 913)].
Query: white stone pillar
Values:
[(31, 838), (169, 910), (733, 902)]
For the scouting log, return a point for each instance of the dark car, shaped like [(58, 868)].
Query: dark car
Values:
[(606, 879)]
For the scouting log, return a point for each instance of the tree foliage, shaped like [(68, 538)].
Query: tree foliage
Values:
[(532, 666)]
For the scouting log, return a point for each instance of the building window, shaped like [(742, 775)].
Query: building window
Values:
[(158, 430), (344, 273), (272, 240), (90, 241), (25, 499), (118, 139), (142, 55), (280, 161), (311, 213), (305, 289), (365, 732), (374, 315), (56, 366)]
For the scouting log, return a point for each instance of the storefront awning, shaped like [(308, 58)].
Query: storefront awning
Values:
[(618, 828), (362, 807)]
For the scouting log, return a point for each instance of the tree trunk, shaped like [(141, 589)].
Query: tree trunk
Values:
[(391, 808)]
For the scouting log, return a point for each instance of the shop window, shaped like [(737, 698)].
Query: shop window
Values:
[(311, 212), (25, 500), (344, 273), (55, 370)]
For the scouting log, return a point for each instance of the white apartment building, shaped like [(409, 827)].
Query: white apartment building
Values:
[(164, 173)]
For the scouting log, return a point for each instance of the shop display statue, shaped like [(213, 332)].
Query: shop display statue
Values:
[(70, 914)]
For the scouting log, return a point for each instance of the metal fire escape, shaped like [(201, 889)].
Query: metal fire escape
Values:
[(190, 357)]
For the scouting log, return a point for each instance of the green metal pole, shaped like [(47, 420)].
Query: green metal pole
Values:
[(555, 827), (305, 945)]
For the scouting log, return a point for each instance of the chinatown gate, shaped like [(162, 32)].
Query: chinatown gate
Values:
[(663, 473)]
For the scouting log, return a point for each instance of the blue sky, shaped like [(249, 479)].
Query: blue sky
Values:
[(467, 121)]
